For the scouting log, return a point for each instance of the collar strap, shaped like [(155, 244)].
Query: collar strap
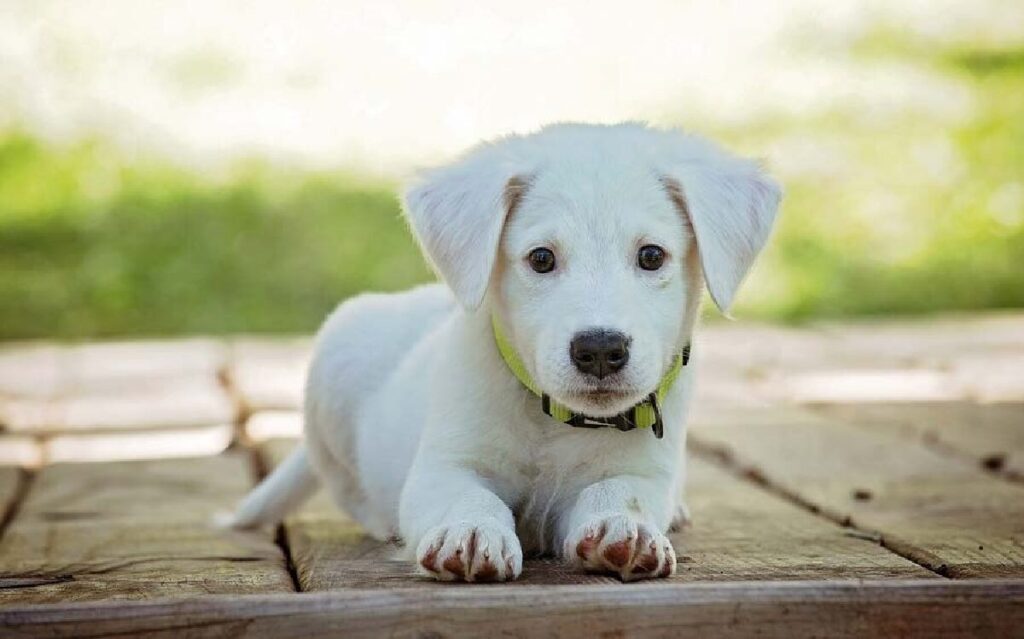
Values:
[(646, 414)]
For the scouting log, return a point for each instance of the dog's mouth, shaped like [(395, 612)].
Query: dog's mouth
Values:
[(604, 400), (603, 394)]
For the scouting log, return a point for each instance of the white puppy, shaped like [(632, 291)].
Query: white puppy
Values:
[(581, 250)]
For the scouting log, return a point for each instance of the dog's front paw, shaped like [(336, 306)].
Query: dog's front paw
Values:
[(470, 552), (620, 545)]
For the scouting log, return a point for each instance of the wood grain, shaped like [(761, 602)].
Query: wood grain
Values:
[(740, 532), (933, 609), (990, 434), (941, 511), (135, 530)]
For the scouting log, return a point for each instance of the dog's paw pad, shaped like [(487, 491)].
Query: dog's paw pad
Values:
[(621, 546), (467, 552)]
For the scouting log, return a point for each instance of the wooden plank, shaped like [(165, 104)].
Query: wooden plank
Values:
[(20, 450), (33, 369), (105, 366), (10, 479), (273, 424), (151, 443), (948, 359), (863, 385), (942, 512), (135, 530), (330, 550), (933, 609), (112, 400), (119, 445), (991, 434), (172, 403), (740, 533), (993, 377), (47, 370), (269, 374), (934, 343)]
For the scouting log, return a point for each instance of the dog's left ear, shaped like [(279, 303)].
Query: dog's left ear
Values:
[(731, 205), (457, 213)]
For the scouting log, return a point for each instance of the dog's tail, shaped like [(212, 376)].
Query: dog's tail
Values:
[(291, 483)]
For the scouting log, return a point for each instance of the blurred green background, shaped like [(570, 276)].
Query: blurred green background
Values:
[(887, 211)]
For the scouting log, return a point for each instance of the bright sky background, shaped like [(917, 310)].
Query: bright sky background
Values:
[(384, 85)]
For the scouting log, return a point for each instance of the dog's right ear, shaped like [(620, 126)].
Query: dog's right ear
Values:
[(457, 213), (731, 205)]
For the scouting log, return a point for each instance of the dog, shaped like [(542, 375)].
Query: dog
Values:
[(535, 402)]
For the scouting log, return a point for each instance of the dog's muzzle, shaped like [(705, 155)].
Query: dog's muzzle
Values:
[(646, 414)]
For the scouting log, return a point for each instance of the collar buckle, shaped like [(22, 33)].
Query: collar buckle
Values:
[(624, 422), (658, 427)]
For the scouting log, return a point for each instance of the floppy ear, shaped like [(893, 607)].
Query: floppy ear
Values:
[(457, 213), (731, 205)]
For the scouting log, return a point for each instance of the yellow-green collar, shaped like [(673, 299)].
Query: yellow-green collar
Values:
[(646, 414)]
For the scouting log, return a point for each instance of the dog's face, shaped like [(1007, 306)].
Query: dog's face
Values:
[(589, 244), (593, 281)]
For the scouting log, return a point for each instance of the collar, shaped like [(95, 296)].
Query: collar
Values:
[(646, 414)]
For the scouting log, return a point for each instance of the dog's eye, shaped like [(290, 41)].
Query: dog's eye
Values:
[(542, 260), (650, 257)]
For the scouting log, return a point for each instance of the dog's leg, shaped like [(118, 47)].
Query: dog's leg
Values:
[(616, 526), (460, 529)]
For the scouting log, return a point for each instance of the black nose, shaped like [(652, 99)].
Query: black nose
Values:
[(599, 352)]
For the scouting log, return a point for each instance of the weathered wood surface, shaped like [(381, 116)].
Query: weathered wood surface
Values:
[(273, 424), (889, 426), (171, 403), (119, 400), (740, 532), (935, 359), (146, 443), (10, 480), (943, 512), (990, 434), (135, 530), (50, 370), (932, 609), (268, 374), (20, 450)]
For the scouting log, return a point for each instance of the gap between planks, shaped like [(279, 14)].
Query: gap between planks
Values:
[(725, 459), (260, 470), (22, 486), (332, 552), (1001, 461), (241, 409)]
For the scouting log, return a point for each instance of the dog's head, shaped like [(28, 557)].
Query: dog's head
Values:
[(589, 244)]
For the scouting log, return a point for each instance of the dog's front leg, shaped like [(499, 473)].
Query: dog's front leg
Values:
[(617, 526), (461, 530)]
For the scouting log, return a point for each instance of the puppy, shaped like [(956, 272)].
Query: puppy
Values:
[(535, 403)]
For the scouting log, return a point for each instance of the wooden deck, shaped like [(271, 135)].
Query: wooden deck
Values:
[(846, 480)]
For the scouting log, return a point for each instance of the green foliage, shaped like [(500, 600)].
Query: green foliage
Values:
[(90, 248), (899, 212), (906, 212)]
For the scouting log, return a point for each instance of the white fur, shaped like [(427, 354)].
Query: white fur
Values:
[(418, 427)]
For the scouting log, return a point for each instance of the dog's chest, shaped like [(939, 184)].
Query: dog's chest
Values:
[(561, 462)]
